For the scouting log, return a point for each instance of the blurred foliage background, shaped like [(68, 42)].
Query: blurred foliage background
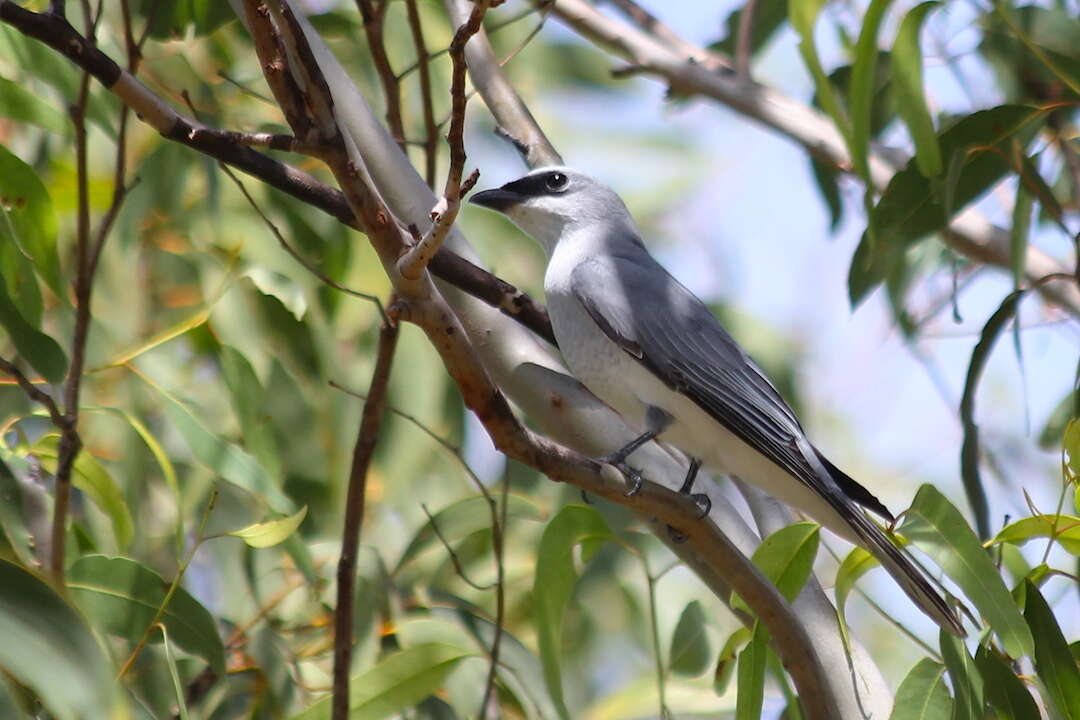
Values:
[(208, 405)]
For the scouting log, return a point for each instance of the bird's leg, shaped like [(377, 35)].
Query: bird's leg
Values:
[(702, 500), (656, 420)]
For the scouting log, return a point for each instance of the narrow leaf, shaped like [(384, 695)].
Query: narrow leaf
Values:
[(92, 478), (861, 92), (1018, 234), (908, 86), (27, 218), (751, 676), (1064, 529), (786, 557), (48, 648), (966, 681), (923, 695), (554, 581), (689, 653), (271, 532), (969, 450), (42, 352), (725, 662), (803, 15), (857, 563), (122, 598), (398, 682), (1054, 663), (23, 106), (1005, 692), (460, 520), (939, 530)]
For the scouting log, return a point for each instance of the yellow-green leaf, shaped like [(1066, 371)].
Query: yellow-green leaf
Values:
[(271, 532)]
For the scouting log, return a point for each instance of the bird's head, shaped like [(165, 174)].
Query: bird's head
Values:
[(553, 202)]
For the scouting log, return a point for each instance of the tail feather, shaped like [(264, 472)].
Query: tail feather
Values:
[(911, 578)]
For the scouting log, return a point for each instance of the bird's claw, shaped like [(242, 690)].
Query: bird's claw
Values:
[(704, 504), (633, 478)]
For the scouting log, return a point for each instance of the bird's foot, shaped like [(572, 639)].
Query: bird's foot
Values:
[(704, 504), (633, 476)]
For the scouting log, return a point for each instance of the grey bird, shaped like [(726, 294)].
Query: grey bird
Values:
[(649, 348)]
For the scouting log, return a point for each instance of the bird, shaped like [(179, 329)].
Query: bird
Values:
[(653, 351)]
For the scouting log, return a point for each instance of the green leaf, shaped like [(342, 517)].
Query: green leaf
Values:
[(9, 706), (1063, 413), (969, 450), (168, 472), (910, 208), (786, 557), (861, 90), (93, 479), (282, 287), (271, 532), (122, 597), (554, 582), (1071, 445), (827, 181), (857, 563), (923, 695), (1004, 690), (27, 218), (689, 653), (804, 15), (171, 18), (42, 352), (725, 662), (939, 530), (23, 106), (1054, 663), (751, 676), (1018, 234), (460, 520), (178, 687), (1065, 529), (225, 458), (48, 648), (908, 86), (398, 682), (12, 525), (966, 681)]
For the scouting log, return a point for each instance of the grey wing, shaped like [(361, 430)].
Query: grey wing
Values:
[(670, 331)]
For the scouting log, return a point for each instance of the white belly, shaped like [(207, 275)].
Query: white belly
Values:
[(622, 382)]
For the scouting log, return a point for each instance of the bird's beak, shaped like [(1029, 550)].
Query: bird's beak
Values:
[(499, 199)]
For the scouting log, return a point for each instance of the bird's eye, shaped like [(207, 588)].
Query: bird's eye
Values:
[(557, 181)]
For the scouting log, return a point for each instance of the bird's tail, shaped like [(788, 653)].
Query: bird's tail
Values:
[(912, 579)]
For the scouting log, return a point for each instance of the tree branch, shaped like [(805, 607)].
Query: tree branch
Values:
[(364, 449), (970, 234), (226, 146)]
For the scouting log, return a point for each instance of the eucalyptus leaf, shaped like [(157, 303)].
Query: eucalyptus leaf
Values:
[(122, 597), (48, 648)]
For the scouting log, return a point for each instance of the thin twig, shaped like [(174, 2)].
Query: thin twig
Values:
[(373, 16), (431, 131), (414, 262), (744, 40), (454, 559), (368, 434), (173, 586), (34, 392)]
